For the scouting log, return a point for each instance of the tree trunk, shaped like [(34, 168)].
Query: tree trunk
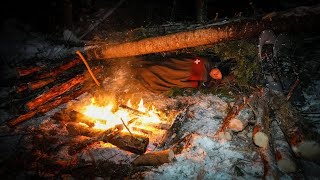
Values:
[(303, 142), (300, 19)]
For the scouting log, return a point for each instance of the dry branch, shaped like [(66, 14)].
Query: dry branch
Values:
[(154, 158), (300, 19)]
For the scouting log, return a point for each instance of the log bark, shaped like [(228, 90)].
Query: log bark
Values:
[(154, 158), (46, 107), (34, 85), (301, 19), (58, 90), (59, 70), (304, 143), (261, 130), (283, 153), (27, 71)]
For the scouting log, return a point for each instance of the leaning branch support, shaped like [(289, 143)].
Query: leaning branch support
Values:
[(301, 19)]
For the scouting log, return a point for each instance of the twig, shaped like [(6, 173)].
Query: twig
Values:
[(88, 67), (293, 88), (126, 127), (102, 19)]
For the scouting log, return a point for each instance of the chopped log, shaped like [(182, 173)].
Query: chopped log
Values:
[(27, 71), (283, 153), (60, 69), (34, 85), (58, 90), (304, 143), (260, 134), (234, 111), (154, 158), (46, 107), (300, 19), (136, 144), (98, 135)]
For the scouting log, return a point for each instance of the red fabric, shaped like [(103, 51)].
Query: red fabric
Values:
[(197, 71)]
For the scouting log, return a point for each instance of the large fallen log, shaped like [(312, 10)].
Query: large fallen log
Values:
[(301, 19), (303, 142)]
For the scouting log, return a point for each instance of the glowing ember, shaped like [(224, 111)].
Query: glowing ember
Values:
[(104, 117)]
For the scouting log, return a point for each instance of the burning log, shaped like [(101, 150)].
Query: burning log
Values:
[(27, 71), (46, 107), (34, 85), (66, 116), (283, 155), (58, 90), (59, 70), (305, 20), (303, 143), (154, 158), (133, 111), (136, 144)]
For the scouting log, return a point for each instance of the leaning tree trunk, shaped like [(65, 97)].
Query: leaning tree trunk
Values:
[(302, 19)]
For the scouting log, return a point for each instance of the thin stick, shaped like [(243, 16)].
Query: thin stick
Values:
[(126, 126), (293, 88), (88, 67)]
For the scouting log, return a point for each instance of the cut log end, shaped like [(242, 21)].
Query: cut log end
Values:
[(154, 158), (308, 150), (236, 125), (261, 139)]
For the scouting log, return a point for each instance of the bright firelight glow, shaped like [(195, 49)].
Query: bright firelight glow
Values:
[(105, 117)]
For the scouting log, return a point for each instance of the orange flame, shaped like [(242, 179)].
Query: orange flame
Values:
[(104, 117)]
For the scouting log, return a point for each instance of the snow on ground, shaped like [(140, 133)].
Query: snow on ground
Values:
[(204, 157)]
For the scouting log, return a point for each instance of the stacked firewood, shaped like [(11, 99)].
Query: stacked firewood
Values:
[(43, 89), (278, 131)]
